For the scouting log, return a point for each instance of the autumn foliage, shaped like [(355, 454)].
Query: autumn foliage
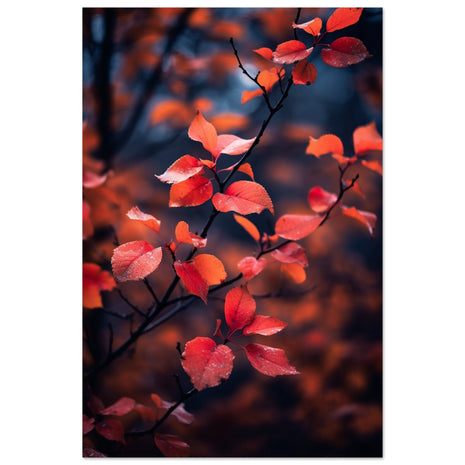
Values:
[(175, 305)]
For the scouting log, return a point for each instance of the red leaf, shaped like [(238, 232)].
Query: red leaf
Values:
[(89, 452), (295, 271), (120, 407), (367, 218), (180, 412), (87, 424), (111, 429), (197, 275), (344, 51), (183, 235), (232, 145), (206, 363), (94, 280), (251, 267), (243, 197), (144, 218), (320, 200), (171, 445), (183, 168), (191, 192), (248, 226), (367, 138), (290, 52), (264, 52), (373, 165), (210, 268), (264, 325), (269, 360), (304, 73), (203, 131), (192, 280), (313, 27), (135, 260), (342, 18), (328, 143), (296, 227), (239, 308), (291, 253)]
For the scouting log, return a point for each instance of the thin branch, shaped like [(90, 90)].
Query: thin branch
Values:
[(152, 292), (254, 79), (134, 307)]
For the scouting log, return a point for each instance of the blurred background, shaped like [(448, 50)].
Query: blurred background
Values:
[(145, 74)]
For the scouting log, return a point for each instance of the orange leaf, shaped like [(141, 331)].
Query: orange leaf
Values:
[(183, 235), (296, 227), (243, 197), (191, 192), (94, 280), (198, 274), (210, 268), (342, 160), (344, 51), (135, 260), (247, 169), (342, 18), (264, 325), (191, 279), (206, 363), (312, 27), (328, 143), (175, 112), (295, 271), (248, 226), (239, 308), (232, 145), (269, 360), (251, 267), (367, 138), (204, 132), (304, 73), (320, 200), (291, 253), (268, 78), (290, 52), (144, 218), (367, 218), (250, 94), (264, 52), (183, 168), (373, 165), (171, 445)]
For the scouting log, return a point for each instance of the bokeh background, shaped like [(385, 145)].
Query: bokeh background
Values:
[(145, 73)]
